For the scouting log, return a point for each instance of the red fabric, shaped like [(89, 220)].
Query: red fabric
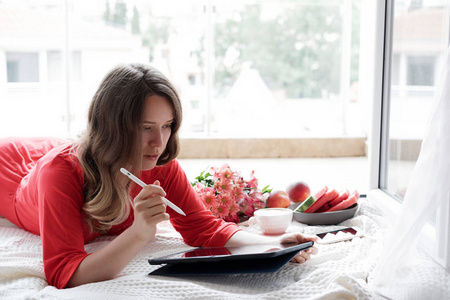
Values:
[(17, 157), (41, 190)]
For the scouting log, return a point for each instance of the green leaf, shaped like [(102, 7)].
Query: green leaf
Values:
[(266, 189)]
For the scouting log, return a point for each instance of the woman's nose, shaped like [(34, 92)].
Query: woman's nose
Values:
[(156, 139)]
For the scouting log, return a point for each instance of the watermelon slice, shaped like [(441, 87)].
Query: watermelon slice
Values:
[(310, 200), (342, 196), (328, 205), (327, 196), (346, 203), (323, 208), (321, 192), (305, 204)]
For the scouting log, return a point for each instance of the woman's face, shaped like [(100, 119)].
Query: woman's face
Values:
[(156, 129)]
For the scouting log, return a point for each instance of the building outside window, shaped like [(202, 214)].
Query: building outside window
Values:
[(421, 70), (419, 44), (22, 66)]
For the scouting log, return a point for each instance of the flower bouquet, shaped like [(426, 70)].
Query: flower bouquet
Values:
[(228, 195)]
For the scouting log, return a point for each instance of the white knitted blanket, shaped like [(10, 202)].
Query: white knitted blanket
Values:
[(339, 271)]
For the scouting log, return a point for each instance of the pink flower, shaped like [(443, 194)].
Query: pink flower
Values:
[(239, 184), (230, 218), (199, 187), (238, 195), (253, 182), (209, 197), (223, 185), (220, 209), (228, 195), (234, 209), (226, 198), (257, 195), (247, 208), (224, 171)]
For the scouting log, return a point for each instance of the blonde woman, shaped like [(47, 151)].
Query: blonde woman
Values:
[(70, 193)]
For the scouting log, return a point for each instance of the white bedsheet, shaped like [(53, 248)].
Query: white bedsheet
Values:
[(338, 271)]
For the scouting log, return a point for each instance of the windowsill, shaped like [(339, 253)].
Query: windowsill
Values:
[(272, 147), (391, 210), (389, 207)]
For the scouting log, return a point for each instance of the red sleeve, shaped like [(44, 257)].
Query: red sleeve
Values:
[(61, 220), (199, 227)]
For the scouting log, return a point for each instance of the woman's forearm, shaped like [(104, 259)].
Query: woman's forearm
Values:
[(241, 238), (149, 209), (106, 263)]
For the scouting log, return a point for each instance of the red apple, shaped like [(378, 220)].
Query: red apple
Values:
[(298, 191), (278, 198)]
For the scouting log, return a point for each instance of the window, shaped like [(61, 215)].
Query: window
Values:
[(191, 79), (278, 60), (22, 66), (251, 69), (411, 49), (54, 66), (414, 58), (421, 70), (301, 58), (76, 67)]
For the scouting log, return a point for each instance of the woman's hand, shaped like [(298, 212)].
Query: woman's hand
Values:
[(298, 238), (149, 209)]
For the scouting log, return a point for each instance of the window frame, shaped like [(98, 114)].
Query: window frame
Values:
[(434, 237)]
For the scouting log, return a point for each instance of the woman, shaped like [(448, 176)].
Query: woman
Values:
[(70, 193)]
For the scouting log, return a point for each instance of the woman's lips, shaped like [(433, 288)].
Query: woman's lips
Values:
[(152, 157)]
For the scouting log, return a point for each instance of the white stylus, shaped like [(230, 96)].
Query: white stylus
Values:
[(142, 184)]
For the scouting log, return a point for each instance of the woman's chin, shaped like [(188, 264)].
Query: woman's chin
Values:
[(148, 165)]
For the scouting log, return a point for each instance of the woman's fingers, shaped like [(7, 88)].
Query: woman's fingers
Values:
[(151, 190), (154, 205), (297, 238), (150, 196), (154, 216), (150, 204), (141, 203), (298, 259), (304, 255), (312, 250)]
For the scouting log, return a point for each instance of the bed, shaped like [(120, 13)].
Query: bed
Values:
[(339, 271)]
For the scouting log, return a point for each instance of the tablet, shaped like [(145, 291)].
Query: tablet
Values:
[(228, 260)]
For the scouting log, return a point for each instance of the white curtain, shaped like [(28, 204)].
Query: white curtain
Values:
[(428, 189)]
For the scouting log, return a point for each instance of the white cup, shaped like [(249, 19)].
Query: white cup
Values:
[(272, 221)]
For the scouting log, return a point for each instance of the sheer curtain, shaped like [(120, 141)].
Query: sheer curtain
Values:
[(428, 189)]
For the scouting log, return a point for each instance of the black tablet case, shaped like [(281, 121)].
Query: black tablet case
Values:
[(228, 265)]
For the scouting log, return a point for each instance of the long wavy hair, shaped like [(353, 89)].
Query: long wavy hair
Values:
[(113, 140)]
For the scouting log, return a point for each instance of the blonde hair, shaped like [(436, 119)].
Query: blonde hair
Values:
[(112, 140)]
